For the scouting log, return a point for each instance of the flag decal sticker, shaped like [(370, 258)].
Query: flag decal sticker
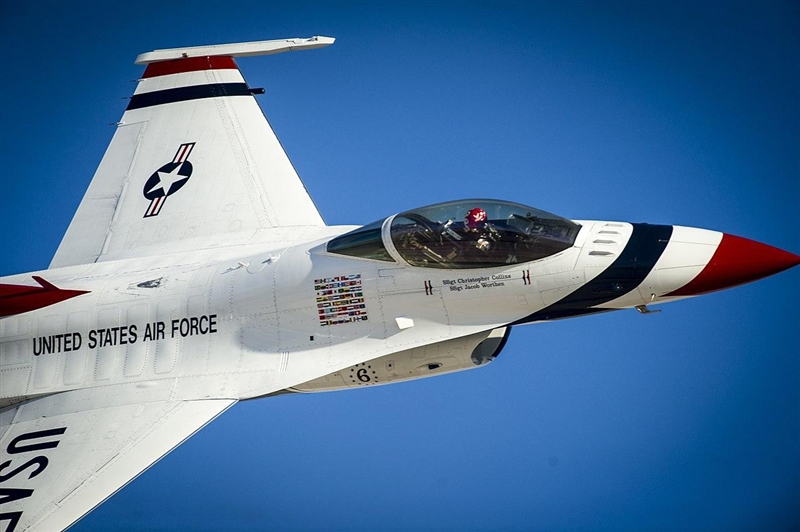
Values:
[(168, 179), (340, 299)]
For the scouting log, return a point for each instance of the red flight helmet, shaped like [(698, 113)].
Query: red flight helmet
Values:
[(474, 217)]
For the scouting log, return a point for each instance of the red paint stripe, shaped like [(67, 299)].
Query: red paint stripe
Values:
[(183, 152), (737, 261), (15, 290), (159, 203), (190, 64), (179, 154), (154, 206), (16, 299)]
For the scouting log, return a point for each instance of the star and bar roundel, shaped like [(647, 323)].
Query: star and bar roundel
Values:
[(168, 179)]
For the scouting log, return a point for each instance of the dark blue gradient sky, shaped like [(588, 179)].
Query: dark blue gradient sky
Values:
[(685, 113)]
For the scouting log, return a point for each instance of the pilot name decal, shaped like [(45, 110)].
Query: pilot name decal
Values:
[(168, 179), (340, 300), (126, 334), (475, 283), (23, 444)]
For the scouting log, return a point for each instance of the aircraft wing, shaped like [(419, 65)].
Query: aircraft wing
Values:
[(193, 163), (61, 455)]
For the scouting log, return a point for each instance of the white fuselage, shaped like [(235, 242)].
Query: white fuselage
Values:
[(232, 322)]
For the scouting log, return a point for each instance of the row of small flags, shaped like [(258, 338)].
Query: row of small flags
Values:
[(340, 299)]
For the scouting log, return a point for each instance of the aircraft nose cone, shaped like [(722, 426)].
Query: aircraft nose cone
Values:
[(737, 261)]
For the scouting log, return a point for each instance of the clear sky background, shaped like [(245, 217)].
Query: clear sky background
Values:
[(685, 113)]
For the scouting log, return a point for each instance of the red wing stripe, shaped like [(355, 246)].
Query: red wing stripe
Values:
[(16, 299), (45, 284), (190, 64)]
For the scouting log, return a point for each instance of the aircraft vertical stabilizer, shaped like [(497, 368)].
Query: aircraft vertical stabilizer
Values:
[(194, 164)]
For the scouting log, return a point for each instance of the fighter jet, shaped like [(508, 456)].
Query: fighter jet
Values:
[(197, 273)]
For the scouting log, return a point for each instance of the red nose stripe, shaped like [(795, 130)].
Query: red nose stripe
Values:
[(737, 261)]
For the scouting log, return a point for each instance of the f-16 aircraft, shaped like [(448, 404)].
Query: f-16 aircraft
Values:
[(197, 272)]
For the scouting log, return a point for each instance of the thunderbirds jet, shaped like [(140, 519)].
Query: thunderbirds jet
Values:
[(197, 272)]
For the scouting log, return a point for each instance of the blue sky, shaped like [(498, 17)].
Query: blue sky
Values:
[(685, 113)]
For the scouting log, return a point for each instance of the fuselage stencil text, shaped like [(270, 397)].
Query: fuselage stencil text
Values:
[(125, 334)]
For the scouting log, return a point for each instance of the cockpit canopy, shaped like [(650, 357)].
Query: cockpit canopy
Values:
[(476, 233)]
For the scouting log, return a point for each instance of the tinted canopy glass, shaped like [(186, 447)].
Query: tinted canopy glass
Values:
[(364, 242), (479, 233)]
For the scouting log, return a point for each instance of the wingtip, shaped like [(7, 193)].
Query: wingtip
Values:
[(324, 40)]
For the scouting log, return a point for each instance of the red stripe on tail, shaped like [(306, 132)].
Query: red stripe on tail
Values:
[(190, 64)]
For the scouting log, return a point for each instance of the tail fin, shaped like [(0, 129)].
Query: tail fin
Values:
[(194, 163)]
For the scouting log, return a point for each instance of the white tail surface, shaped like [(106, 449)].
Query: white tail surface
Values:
[(194, 164)]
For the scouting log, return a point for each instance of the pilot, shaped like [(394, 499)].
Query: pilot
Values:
[(474, 218), (476, 222)]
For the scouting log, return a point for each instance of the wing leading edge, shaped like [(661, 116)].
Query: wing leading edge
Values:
[(193, 164)]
